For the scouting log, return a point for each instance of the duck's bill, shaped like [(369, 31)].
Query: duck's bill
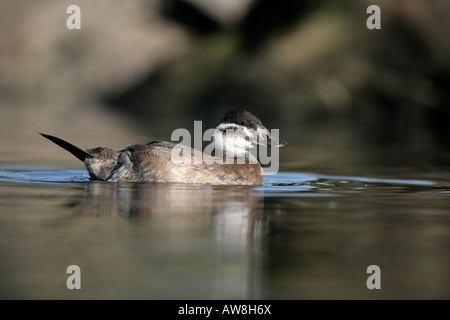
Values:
[(277, 144), (266, 138)]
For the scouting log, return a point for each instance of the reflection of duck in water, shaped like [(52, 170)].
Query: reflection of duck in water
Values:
[(236, 132), (221, 231)]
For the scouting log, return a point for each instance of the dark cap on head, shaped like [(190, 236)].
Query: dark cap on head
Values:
[(242, 118)]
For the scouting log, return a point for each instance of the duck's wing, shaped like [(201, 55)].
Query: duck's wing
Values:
[(162, 161), (136, 159), (122, 167)]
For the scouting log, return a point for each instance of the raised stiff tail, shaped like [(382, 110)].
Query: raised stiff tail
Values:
[(77, 152)]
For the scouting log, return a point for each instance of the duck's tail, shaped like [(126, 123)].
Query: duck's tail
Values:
[(77, 152)]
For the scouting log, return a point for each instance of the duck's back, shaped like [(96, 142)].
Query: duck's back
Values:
[(167, 162)]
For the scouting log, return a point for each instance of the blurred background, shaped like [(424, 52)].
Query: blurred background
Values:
[(351, 103), (346, 98)]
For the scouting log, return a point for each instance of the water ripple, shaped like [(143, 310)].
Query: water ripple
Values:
[(282, 184)]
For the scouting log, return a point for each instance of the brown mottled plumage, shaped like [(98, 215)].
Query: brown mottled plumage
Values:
[(152, 162)]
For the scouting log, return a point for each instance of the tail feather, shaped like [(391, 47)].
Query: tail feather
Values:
[(77, 152)]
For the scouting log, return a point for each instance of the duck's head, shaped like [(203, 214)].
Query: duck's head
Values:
[(238, 131)]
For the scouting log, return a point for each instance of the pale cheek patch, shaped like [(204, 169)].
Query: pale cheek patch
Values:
[(234, 140)]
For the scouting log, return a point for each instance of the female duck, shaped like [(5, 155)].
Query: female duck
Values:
[(232, 164)]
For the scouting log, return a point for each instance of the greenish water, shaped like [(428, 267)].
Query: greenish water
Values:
[(301, 236)]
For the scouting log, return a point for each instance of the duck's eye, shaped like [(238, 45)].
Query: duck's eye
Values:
[(243, 123)]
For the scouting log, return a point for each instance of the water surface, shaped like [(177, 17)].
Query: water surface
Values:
[(301, 236)]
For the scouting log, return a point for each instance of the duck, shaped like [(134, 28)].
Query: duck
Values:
[(230, 162)]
